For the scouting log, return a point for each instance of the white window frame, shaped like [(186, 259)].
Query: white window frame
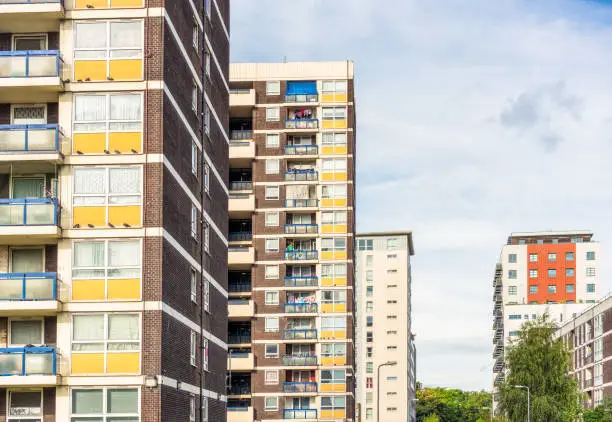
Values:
[(207, 120), (271, 377), (270, 197), (192, 412), (275, 219), (533, 257), (22, 106), (273, 87), (333, 270), (195, 34), (274, 297), (207, 179), (271, 136), (194, 158), (273, 248), (194, 222), (590, 271), (270, 327), (207, 238), (334, 139), (206, 287), (195, 93), (338, 87), (272, 274), (193, 284), (9, 392), (335, 244), (272, 166), (10, 330), (193, 348), (207, 62), (205, 408), (205, 351), (336, 165), (271, 355), (272, 114), (272, 405), (107, 195), (334, 113)]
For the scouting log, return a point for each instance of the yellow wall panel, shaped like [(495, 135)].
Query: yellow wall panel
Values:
[(340, 124), (340, 360), (340, 150), (88, 363), (340, 202), (327, 361), (327, 98), (326, 388), (328, 124), (126, 3), (83, 4), (124, 289), (126, 69), (327, 202), (327, 150), (84, 216), (338, 388), (327, 281), (88, 290), (125, 142), (339, 413), (340, 228), (327, 334), (340, 281), (340, 98), (327, 307), (89, 143), (339, 255), (340, 176), (94, 70), (124, 214), (123, 363), (339, 334), (326, 255), (327, 176), (340, 307), (327, 228)]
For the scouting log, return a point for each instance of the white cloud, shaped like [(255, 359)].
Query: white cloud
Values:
[(476, 118)]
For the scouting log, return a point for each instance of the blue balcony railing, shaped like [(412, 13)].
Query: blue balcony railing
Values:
[(301, 98), (300, 387), (29, 138), (300, 308), (29, 63), (28, 212), (301, 281), (299, 413), (301, 203), (15, 361), (302, 124), (300, 334), (28, 286), (295, 175), (289, 360), (301, 228), (300, 255), (301, 150)]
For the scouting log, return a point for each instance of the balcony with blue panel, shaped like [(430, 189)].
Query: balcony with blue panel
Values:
[(300, 308), (301, 150), (301, 175), (301, 92), (300, 414), (30, 76), (28, 366), (29, 220), (300, 334), (301, 229), (299, 387), (29, 294), (301, 281), (30, 142), (23, 16)]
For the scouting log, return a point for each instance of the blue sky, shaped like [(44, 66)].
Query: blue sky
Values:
[(476, 118)]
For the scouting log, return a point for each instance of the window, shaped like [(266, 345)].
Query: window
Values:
[(552, 257), (590, 271), (392, 256), (333, 244), (208, 8), (271, 324), (590, 288), (512, 258), (370, 276), (271, 377), (271, 351), (272, 272), (370, 260), (207, 66), (369, 321), (194, 221), (512, 274), (194, 348), (334, 165), (271, 403), (194, 285), (391, 348), (95, 186), (207, 178), (369, 352), (365, 244), (334, 113), (271, 298), (533, 257), (333, 217), (205, 409), (206, 287), (533, 290), (369, 306), (107, 404), (512, 290), (513, 333), (331, 139), (590, 256), (333, 325), (392, 302), (333, 270), (533, 273), (391, 286), (370, 291), (569, 272), (194, 159), (335, 376), (25, 404), (369, 413), (195, 94), (393, 244), (334, 87), (391, 332), (337, 192), (552, 288), (272, 192), (272, 219), (569, 288), (391, 409), (369, 397), (272, 114), (25, 331), (195, 35), (272, 245), (333, 403), (337, 350), (272, 140), (272, 166), (273, 88), (514, 316), (392, 378), (207, 121), (192, 413), (369, 382), (205, 351), (369, 337), (569, 256), (391, 316), (552, 273), (206, 238)]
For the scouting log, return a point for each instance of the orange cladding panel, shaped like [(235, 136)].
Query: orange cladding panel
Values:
[(543, 265)]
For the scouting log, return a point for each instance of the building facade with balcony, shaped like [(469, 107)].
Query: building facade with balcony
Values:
[(543, 272), (384, 327), (113, 210), (292, 226)]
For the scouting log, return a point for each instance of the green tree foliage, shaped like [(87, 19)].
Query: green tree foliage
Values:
[(449, 405), (541, 362), (602, 413)]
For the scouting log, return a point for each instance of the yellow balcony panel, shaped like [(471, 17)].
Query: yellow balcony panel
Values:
[(334, 150), (19, 16), (87, 363), (327, 150), (340, 228), (327, 228), (340, 176), (124, 289), (327, 307), (333, 334), (126, 3), (327, 177), (90, 70), (126, 70), (340, 255), (86, 4), (241, 362), (327, 255), (327, 361), (89, 143), (88, 289), (326, 203), (125, 142), (240, 414), (123, 363), (121, 215), (86, 216)]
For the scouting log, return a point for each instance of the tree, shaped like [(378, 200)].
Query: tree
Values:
[(431, 418), (602, 413), (541, 362), (452, 405)]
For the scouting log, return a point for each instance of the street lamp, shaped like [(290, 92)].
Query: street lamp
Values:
[(409, 415), (389, 363), (524, 387)]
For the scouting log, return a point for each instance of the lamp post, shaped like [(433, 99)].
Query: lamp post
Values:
[(409, 408), (524, 387), (389, 363)]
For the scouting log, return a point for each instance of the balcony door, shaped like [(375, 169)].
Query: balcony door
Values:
[(30, 42), (29, 114), (25, 332), (301, 403), (28, 187), (27, 260)]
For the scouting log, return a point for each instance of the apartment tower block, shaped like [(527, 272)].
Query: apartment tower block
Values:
[(291, 242), (114, 145)]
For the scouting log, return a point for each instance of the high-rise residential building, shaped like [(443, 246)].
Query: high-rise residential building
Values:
[(543, 272), (291, 233), (385, 343), (114, 144), (588, 337)]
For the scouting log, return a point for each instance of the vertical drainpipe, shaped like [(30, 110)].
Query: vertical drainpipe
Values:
[(202, 199)]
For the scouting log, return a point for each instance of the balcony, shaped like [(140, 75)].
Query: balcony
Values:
[(301, 203), (239, 338), (302, 98), (294, 175), (244, 256), (241, 203), (242, 150), (302, 124), (29, 143), (21, 16), (242, 97), (239, 286), (301, 229), (301, 281), (289, 360), (28, 366), (301, 255), (28, 220), (300, 414), (240, 362), (30, 294), (240, 414), (241, 186), (241, 135), (240, 236), (299, 387), (301, 150), (300, 334), (241, 308), (30, 76), (300, 308), (240, 390)]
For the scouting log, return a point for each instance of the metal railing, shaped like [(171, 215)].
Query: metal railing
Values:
[(240, 355), (239, 338), (301, 175), (301, 281), (301, 98), (240, 134), (22, 361), (239, 286), (300, 334), (300, 387), (301, 150), (240, 236), (301, 228), (301, 203), (28, 212), (302, 124), (29, 138), (28, 286), (240, 91), (301, 255), (300, 308), (238, 390), (300, 414), (290, 360), (242, 185), (29, 64)]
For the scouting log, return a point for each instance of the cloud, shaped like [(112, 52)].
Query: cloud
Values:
[(476, 118)]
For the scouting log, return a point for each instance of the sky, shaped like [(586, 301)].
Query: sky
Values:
[(475, 119)]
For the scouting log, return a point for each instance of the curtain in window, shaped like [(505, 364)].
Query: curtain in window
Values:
[(126, 107), (28, 187), (88, 329), (124, 254), (90, 35), (89, 181), (88, 254), (123, 331), (26, 332), (297, 192), (27, 260), (90, 109), (122, 400), (87, 401), (125, 180), (125, 34)]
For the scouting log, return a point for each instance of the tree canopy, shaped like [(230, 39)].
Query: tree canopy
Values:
[(450, 405)]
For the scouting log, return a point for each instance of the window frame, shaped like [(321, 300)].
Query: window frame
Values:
[(104, 415), (272, 294), (269, 197), (271, 377), (273, 84), (271, 275), (272, 166), (193, 281), (269, 355), (107, 194), (9, 327), (193, 348), (271, 328), (273, 223), (272, 114), (270, 136)]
